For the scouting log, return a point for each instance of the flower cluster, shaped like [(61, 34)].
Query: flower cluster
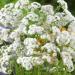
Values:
[(33, 34)]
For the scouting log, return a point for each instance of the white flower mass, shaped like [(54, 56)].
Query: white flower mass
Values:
[(33, 34)]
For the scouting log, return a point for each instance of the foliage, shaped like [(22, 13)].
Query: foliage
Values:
[(3, 2)]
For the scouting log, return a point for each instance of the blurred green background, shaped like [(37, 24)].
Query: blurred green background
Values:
[(71, 3)]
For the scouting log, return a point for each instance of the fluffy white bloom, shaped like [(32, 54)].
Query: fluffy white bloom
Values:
[(29, 51), (65, 8), (23, 25), (48, 9), (63, 38), (4, 34), (67, 60), (50, 19), (57, 18), (46, 37), (31, 43), (11, 17), (26, 63), (25, 21), (19, 60), (14, 35), (25, 30), (60, 14), (55, 30), (34, 29), (15, 45), (50, 47), (34, 6), (71, 27), (63, 4), (69, 15), (9, 6), (35, 33), (17, 13), (37, 61), (3, 69), (32, 17), (72, 42), (47, 58), (22, 4), (68, 18), (4, 62), (70, 51)]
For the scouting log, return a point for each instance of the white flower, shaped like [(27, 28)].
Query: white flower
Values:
[(63, 38), (26, 63), (70, 17), (50, 19), (34, 33), (15, 44), (3, 69), (55, 30), (71, 27), (60, 14), (32, 17), (63, 4), (19, 60), (14, 34), (34, 6), (22, 4), (37, 61), (17, 13), (57, 18), (23, 26), (33, 29), (11, 17), (50, 47), (48, 9), (25, 30), (31, 43), (5, 57), (72, 42), (27, 66), (29, 51), (67, 60), (4, 62), (46, 57), (70, 51), (45, 36), (4, 34), (9, 6), (24, 21)]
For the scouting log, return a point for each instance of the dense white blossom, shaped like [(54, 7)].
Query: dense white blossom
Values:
[(32, 34), (37, 61), (25, 62), (34, 29), (32, 17), (34, 6), (22, 4), (50, 47), (67, 59), (48, 9), (50, 19), (31, 43), (63, 38)]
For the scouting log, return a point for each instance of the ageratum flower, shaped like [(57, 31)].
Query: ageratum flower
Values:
[(32, 34)]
